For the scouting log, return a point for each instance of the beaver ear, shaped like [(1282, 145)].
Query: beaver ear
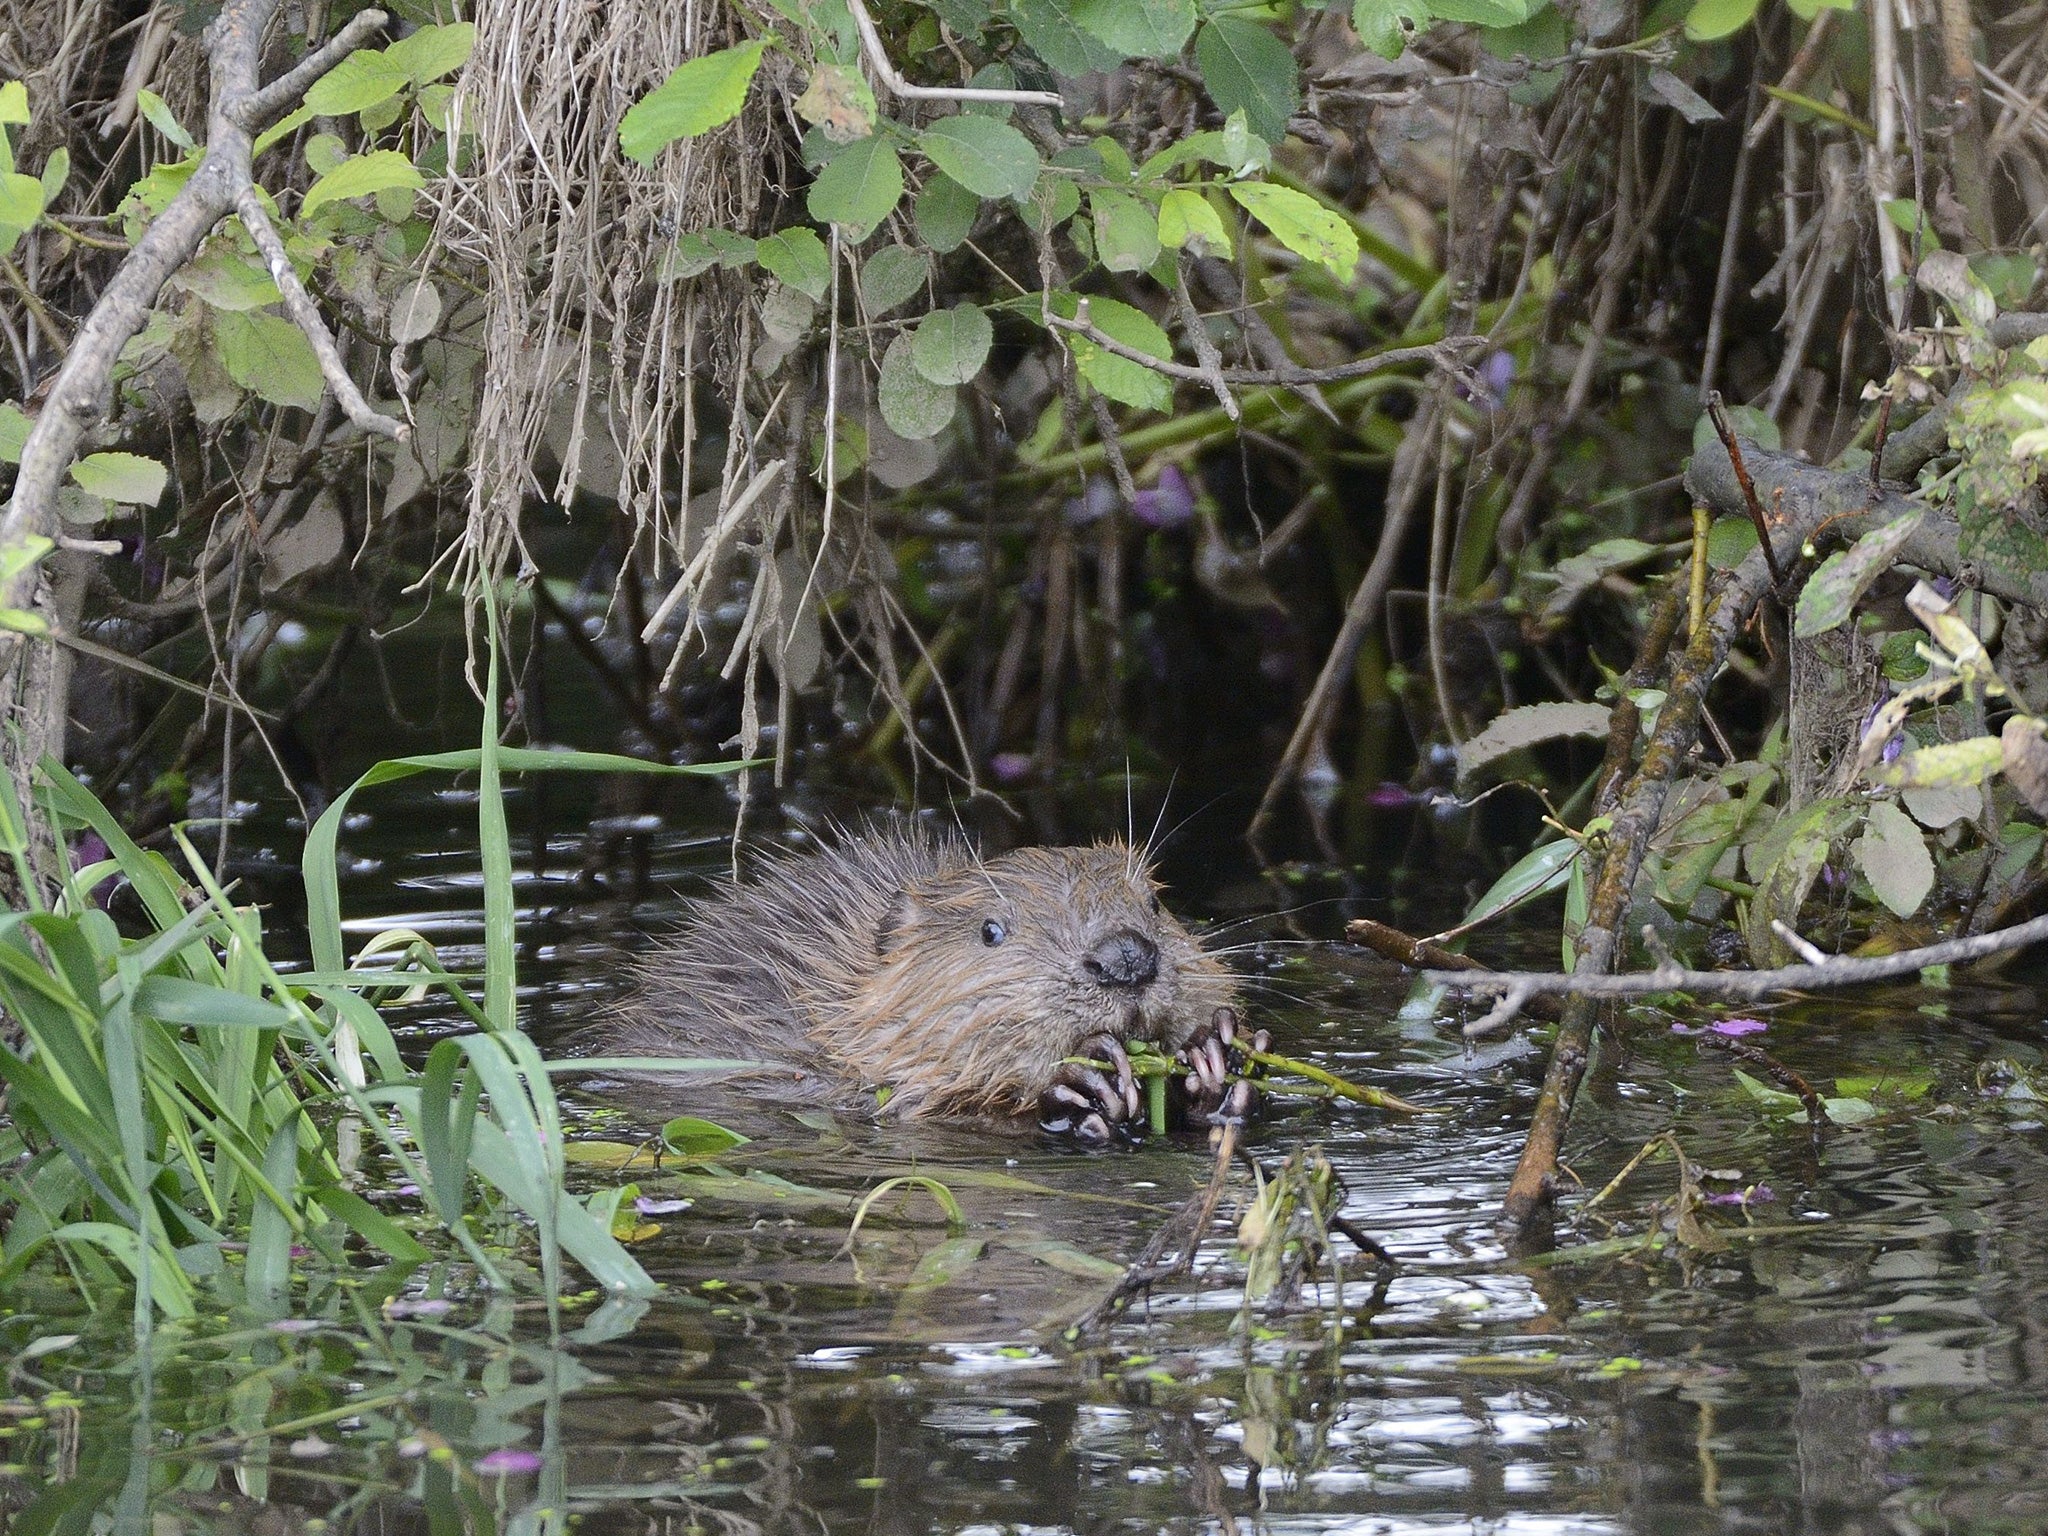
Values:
[(898, 918)]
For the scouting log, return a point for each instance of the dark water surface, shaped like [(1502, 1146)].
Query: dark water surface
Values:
[(1862, 1348)]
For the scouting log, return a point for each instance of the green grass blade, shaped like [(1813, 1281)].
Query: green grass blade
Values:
[(494, 839), (267, 1277)]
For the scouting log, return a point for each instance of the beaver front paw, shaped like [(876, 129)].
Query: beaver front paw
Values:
[(1212, 1057), (1088, 1103)]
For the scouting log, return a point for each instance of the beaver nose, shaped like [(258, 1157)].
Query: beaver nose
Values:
[(1125, 959)]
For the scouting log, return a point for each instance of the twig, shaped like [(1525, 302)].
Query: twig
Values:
[(1778, 1072), (1828, 971), (1750, 504), (1795, 76), (1417, 954), (253, 111), (306, 315), (1443, 354), (1204, 344), (1150, 1268), (1378, 1098), (1404, 492), (878, 61), (1884, 432)]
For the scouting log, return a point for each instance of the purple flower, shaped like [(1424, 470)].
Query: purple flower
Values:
[(1738, 1027), (1169, 504), (1491, 388), (1756, 1194), (1010, 767), (1729, 1027), (90, 849), (1389, 796), (1096, 502), (499, 1463)]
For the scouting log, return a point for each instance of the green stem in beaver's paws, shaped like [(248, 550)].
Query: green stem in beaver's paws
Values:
[(1151, 1067), (1378, 1098)]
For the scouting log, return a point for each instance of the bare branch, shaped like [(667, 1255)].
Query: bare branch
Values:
[(306, 315), (252, 112), (1443, 354), (1827, 972), (878, 61)]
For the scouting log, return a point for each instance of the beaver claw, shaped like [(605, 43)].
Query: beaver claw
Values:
[(1212, 1098), (1083, 1101)]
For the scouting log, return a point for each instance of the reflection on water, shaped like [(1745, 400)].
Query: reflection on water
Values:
[(1864, 1350)]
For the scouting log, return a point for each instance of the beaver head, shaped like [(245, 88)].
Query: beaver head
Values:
[(986, 974)]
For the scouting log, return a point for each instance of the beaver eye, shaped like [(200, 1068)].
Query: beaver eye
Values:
[(993, 933)]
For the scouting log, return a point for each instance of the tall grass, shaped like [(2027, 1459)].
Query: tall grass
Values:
[(174, 1099)]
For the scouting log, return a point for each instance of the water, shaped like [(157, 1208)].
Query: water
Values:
[(1860, 1348)]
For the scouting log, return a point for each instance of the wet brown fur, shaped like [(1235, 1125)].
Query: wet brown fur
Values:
[(863, 965)]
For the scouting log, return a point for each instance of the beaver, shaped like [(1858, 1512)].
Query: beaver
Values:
[(897, 965)]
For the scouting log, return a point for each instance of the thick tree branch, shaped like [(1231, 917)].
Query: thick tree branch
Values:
[(1804, 496)]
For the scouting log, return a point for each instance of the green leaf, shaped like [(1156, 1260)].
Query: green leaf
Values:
[(1126, 231), (691, 1137), (859, 188), (366, 78), (945, 214), (1949, 765), (57, 171), (361, 175), (23, 553), (694, 253), (1481, 13), (988, 158), (1712, 19), (1302, 224), (1139, 29), (694, 99), (270, 356), (160, 117), (1894, 859), (1118, 378), (1729, 542), (227, 279), (1385, 26), (950, 345), (1745, 421), (1785, 862), (21, 200), (891, 275), (1245, 66), (124, 477), (15, 424), (1833, 591), (1050, 31), (1189, 220), (799, 258), (13, 102), (1543, 869), (912, 405), (433, 51)]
